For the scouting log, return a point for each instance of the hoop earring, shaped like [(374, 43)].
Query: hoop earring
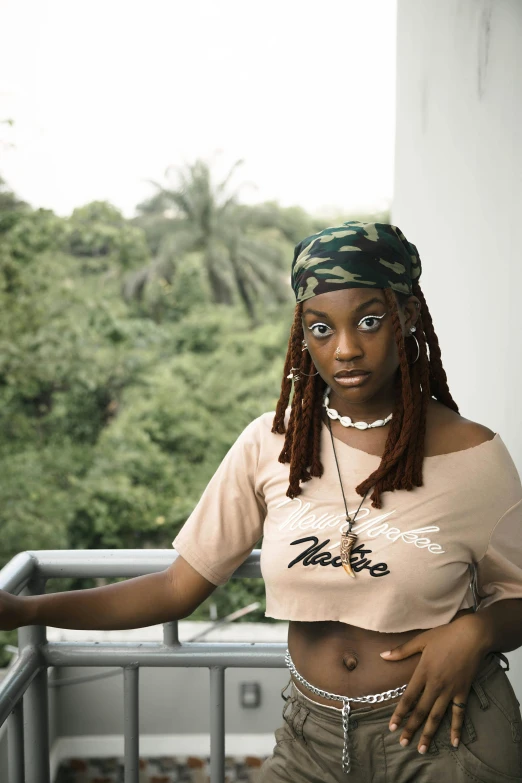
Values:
[(418, 346)]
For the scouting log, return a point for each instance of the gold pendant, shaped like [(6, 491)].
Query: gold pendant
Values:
[(347, 542)]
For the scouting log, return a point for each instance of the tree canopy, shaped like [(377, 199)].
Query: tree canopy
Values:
[(119, 398)]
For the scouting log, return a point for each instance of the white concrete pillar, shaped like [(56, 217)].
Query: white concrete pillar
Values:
[(458, 197)]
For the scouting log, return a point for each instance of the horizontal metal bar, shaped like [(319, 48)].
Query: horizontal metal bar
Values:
[(49, 556), (240, 655), (56, 563), (86, 678), (18, 678), (16, 574)]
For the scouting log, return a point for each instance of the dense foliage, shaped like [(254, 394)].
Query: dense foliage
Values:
[(125, 371)]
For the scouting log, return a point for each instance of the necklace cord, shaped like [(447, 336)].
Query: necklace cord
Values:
[(348, 518)]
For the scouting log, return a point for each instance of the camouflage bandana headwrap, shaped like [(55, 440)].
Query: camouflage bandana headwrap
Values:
[(354, 255)]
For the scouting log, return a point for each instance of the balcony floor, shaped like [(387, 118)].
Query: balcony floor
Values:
[(166, 769)]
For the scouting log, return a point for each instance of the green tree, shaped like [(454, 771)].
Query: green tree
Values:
[(98, 234), (197, 215), (11, 207), (115, 413)]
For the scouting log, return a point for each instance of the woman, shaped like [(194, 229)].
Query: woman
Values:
[(376, 501)]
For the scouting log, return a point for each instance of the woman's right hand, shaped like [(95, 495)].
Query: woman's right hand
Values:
[(13, 611)]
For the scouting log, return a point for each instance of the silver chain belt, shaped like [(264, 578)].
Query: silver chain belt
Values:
[(370, 699)]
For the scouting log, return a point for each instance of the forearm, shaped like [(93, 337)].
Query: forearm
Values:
[(499, 625), (135, 603)]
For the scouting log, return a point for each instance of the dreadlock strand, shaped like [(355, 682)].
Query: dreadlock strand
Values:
[(440, 385), (301, 441), (310, 400), (424, 380), (407, 480), (290, 451), (278, 425), (316, 467), (296, 361), (387, 482), (385, 474), (407, 395)]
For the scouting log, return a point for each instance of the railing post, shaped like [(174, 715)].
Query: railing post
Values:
[(131, 723), (170, 633), (15, 744), (217, 724), (35, 708)]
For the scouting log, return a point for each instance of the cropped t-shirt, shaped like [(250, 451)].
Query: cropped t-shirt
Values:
[(454, 543)]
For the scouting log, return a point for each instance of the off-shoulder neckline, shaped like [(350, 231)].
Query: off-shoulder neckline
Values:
[(495, 439)]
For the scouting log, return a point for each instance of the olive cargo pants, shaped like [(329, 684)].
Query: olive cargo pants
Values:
[(309, 744)]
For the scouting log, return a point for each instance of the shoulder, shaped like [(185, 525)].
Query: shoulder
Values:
[(257, 446), (489, 471), (264, 423), (259, 432), (447, 431), (261, 425)]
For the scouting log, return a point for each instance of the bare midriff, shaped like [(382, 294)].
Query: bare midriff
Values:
[(345, 660)]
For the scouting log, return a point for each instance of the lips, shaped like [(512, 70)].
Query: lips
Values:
[(351, 378), (350, 373)]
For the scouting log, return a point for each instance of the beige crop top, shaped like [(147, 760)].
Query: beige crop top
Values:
[(413, 559)]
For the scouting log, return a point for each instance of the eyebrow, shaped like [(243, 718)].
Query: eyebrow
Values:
[(360, 307)]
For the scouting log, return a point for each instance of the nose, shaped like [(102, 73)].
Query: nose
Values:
[(348, 348)]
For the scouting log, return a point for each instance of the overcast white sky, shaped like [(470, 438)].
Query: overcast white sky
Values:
[(106, 95)]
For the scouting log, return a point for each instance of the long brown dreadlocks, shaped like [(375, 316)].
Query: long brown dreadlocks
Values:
[(416, 382)]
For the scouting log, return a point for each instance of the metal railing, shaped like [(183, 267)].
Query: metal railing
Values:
[(28, 729)]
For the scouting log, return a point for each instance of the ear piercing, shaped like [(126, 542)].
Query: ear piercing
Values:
[(294, 374)]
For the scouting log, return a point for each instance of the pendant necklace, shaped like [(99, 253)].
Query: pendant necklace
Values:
[(348, 538)]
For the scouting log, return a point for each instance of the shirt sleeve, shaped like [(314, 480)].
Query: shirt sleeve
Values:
[(228, 520), (499, 571)]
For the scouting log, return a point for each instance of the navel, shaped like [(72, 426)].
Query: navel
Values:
[(350, 660)]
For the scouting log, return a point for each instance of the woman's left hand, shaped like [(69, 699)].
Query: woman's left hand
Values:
[(451, 656)]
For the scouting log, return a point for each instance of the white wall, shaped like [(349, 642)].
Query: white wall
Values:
[(458, 192), (458, 197)]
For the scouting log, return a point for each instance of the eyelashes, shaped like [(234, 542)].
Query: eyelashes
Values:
[(320, 326), (321, 330), (371, 318)]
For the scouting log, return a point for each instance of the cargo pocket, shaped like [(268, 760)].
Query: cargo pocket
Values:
[(294, 715), (490, 746)]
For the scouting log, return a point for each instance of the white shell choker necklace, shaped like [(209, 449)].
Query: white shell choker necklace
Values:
[(346, 420)]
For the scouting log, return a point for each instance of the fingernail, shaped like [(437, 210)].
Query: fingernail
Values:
[(393, 727), (404, 742), (423, 749), (456, 742), (388, 652)]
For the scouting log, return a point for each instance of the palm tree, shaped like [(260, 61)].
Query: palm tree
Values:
[(196, 215)]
